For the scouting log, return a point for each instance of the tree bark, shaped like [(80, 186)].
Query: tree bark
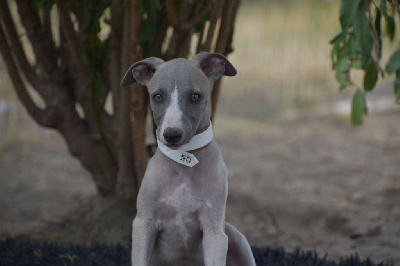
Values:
[(138, 99), (126, 182)]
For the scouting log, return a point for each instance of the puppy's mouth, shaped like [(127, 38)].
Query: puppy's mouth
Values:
[(173, 146)]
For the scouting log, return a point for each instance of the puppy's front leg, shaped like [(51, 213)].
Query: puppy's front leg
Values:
[(143, 240), (215, 244)]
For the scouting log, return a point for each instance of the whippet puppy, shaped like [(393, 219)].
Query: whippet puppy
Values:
[(181, 203)]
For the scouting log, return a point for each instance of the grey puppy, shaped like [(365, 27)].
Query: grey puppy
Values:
[(181, 203)]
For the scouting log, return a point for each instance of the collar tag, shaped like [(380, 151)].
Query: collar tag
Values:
[(178, 156), (183, 155)]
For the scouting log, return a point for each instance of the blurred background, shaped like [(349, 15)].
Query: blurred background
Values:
[(300, 175)]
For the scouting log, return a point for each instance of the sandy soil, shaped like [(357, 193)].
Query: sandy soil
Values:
[(313, 182)]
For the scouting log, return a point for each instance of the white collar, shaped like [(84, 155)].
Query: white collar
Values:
[(184, 155)]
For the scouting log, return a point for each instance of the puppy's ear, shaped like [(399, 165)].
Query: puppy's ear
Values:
[(141, 71), (214, 65)]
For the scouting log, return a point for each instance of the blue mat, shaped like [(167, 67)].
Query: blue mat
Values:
[(14, 252)]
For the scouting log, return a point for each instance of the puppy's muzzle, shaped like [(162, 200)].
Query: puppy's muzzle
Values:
[(172, 135)]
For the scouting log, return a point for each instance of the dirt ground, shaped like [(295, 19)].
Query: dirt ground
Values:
[(313, 182)]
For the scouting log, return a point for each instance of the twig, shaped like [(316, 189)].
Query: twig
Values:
[(374, 37), (372, 30)]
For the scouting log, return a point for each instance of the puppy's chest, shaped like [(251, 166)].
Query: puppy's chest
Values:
[(180, 201)]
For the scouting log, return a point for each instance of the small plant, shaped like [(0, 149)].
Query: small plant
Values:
[(358, 45)]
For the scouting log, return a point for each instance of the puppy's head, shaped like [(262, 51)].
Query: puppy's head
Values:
[(180, 92)]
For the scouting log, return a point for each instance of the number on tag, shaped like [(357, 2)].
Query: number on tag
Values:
[(185, 159)]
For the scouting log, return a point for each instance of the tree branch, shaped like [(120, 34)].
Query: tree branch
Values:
[(171, 13), (215, 15), (162, 27), (185, 13), (180, 41), (44, 52), (46, 25), (196, 18), (126, 181), (18, 51), (200, 41), (372, 30), (72, 41), (49, 117), (83, 75), (116, 23), (224, 45), (226, 28), (138, 98)]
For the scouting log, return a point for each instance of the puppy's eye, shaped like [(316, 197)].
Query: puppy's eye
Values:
[(157, 97), (195, 97)]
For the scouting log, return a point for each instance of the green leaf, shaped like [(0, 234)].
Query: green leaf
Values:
[(362, 31), (334, 55), (348, 50), (390, 27), (338, 34), (342, 73), (370, 76), (390, 24), (383, 7), (358, 108), (394, 63), (348, 10), (357, 64), (354, 46)]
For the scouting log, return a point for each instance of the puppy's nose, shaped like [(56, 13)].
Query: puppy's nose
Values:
[(172, 135)]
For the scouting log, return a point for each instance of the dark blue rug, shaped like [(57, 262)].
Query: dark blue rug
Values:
[(23, 252)]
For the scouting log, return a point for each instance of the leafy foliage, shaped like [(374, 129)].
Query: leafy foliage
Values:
[(358, 45)]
